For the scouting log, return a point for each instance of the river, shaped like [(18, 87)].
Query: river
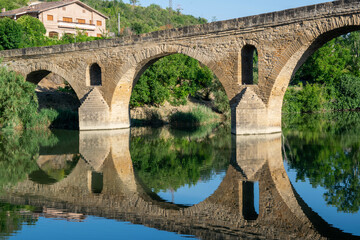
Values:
[(143, 183)]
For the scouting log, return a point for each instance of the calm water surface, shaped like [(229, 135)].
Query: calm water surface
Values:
[(167, 184)]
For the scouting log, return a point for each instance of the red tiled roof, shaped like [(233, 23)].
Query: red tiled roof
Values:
[(41, 7)]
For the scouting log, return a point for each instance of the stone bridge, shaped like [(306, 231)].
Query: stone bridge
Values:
[(103, 73), (229, 213)]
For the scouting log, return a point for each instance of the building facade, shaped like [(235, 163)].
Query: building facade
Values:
[(64, 17)]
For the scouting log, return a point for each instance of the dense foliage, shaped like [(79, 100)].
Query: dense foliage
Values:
[(18, 103), (137, 19), (10, 34), (171, 79), (325, 149), (13, 4), (329, 79), (169, 163), (28, 31)]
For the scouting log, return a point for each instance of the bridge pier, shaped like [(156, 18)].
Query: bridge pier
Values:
[(249, 115), (95, 113)]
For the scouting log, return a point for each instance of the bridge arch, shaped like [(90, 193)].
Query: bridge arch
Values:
[(301, 49), (136, 66), (36, 72)]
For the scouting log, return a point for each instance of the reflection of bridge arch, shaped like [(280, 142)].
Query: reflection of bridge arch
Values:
[(282, 213)]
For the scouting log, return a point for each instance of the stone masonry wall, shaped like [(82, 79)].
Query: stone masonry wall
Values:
[(282, 39)]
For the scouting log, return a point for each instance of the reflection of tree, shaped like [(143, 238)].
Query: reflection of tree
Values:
[(328, 155), (19, 152), (174, 162), (12, 217)]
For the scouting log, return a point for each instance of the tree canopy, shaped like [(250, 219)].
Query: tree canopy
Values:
[(329, 79)]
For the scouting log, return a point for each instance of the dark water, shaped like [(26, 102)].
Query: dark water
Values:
[(167, 184)]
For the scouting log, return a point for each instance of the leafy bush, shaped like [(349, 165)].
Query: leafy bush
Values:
[(171, 79), (10, 34), (348, 92), (33, 31), (18, 103), (311, 98)]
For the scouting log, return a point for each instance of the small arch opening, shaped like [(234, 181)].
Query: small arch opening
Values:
[(95, 75), (250, 200), (97, 184), (249, 65)]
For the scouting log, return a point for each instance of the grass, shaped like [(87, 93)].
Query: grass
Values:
[(194, 118)]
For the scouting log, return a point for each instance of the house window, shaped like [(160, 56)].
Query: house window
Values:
[(82, 21), (98, 35), (53, 34), (67, 19), (86, 33), (98, 23), (84, 11), (64, 8), (50, 17), (91, 22)]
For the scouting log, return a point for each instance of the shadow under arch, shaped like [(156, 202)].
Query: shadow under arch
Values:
[(131, 72), (35, 73), (297, 53)]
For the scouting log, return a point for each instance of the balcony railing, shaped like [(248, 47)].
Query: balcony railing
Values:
[(76, 25)]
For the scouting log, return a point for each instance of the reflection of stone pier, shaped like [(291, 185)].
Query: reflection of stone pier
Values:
[(103, 183)]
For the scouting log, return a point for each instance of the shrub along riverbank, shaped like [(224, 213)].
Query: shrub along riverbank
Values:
[(329, 80), (18, 104)]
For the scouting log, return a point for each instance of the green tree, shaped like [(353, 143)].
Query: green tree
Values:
[(10, 34), (13, 4), (134, 2), (172, 79), (18, 103), (33, 31)]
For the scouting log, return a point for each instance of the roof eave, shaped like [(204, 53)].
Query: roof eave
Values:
[(78, 2)]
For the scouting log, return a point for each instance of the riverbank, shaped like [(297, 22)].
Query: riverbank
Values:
[(195, 113)]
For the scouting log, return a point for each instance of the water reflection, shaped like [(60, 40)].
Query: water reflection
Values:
[(174, 164), (328, 155), (111, 178)]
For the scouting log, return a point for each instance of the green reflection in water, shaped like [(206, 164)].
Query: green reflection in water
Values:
[(19, 152), (13, 217), (168, 160), (55, 169), (325, 148)]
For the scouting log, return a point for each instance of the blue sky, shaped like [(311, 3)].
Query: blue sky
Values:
[(228, 9)]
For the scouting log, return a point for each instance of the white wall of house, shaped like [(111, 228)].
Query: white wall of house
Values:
[(73, 17)]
